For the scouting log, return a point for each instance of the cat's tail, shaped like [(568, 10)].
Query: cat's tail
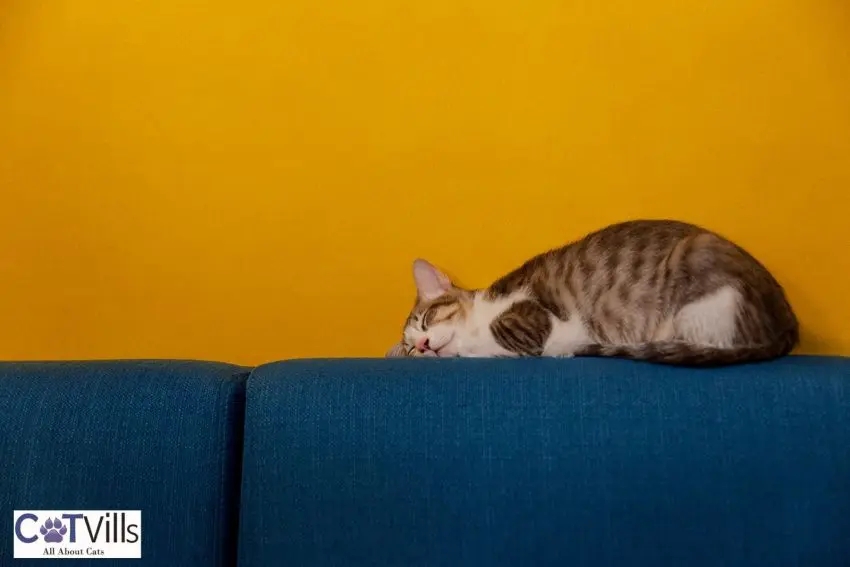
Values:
[(686, 354)]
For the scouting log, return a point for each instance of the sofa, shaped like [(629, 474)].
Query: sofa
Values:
[(429, 462)]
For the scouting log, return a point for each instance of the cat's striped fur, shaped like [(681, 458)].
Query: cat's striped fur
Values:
[(662, 291)]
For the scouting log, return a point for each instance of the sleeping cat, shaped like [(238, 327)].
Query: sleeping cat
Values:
[(662, 291)]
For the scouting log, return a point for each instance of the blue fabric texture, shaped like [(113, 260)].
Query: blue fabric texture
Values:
[(583, 462), (161, 437)]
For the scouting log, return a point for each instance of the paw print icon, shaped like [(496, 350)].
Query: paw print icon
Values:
[(53, 530)]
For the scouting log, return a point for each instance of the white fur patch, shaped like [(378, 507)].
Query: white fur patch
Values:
[(710, 320), (473, 338), (566, 337)]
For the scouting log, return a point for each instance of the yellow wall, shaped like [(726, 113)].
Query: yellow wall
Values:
[(248, 181)]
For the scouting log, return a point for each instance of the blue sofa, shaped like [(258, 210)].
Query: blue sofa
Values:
[(411, 462)]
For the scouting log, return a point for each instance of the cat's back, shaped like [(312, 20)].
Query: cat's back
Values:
[(639, 263), (638, 234), (600, 255), (655, 255), (635, 247)]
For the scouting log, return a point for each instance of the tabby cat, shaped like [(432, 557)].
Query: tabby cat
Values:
[(662, 291)]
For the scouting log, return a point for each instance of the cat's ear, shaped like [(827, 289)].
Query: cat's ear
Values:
[(397, 351), (431, 283)]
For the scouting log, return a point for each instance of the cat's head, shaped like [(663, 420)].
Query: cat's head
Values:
[(437, 318)]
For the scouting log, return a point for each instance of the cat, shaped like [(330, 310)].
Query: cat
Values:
[(656, 290)]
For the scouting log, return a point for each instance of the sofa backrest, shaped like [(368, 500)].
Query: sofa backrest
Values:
[(580, 462), (161, 437)]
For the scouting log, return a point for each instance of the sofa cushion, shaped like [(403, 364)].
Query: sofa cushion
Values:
[(160, 437), (584, 462)]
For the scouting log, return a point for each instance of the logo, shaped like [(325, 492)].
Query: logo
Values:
[(75, 534)]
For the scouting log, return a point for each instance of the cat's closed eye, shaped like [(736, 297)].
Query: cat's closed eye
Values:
[(426, 318)]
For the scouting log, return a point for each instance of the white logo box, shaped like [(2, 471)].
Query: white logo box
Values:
[(77, 534)]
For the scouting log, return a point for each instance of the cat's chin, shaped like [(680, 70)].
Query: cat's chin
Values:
[(446, 353)]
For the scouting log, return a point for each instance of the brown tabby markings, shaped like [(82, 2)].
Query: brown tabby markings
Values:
[(522, 328)]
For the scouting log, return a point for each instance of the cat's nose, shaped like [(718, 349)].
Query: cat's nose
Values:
[(423, 344)]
